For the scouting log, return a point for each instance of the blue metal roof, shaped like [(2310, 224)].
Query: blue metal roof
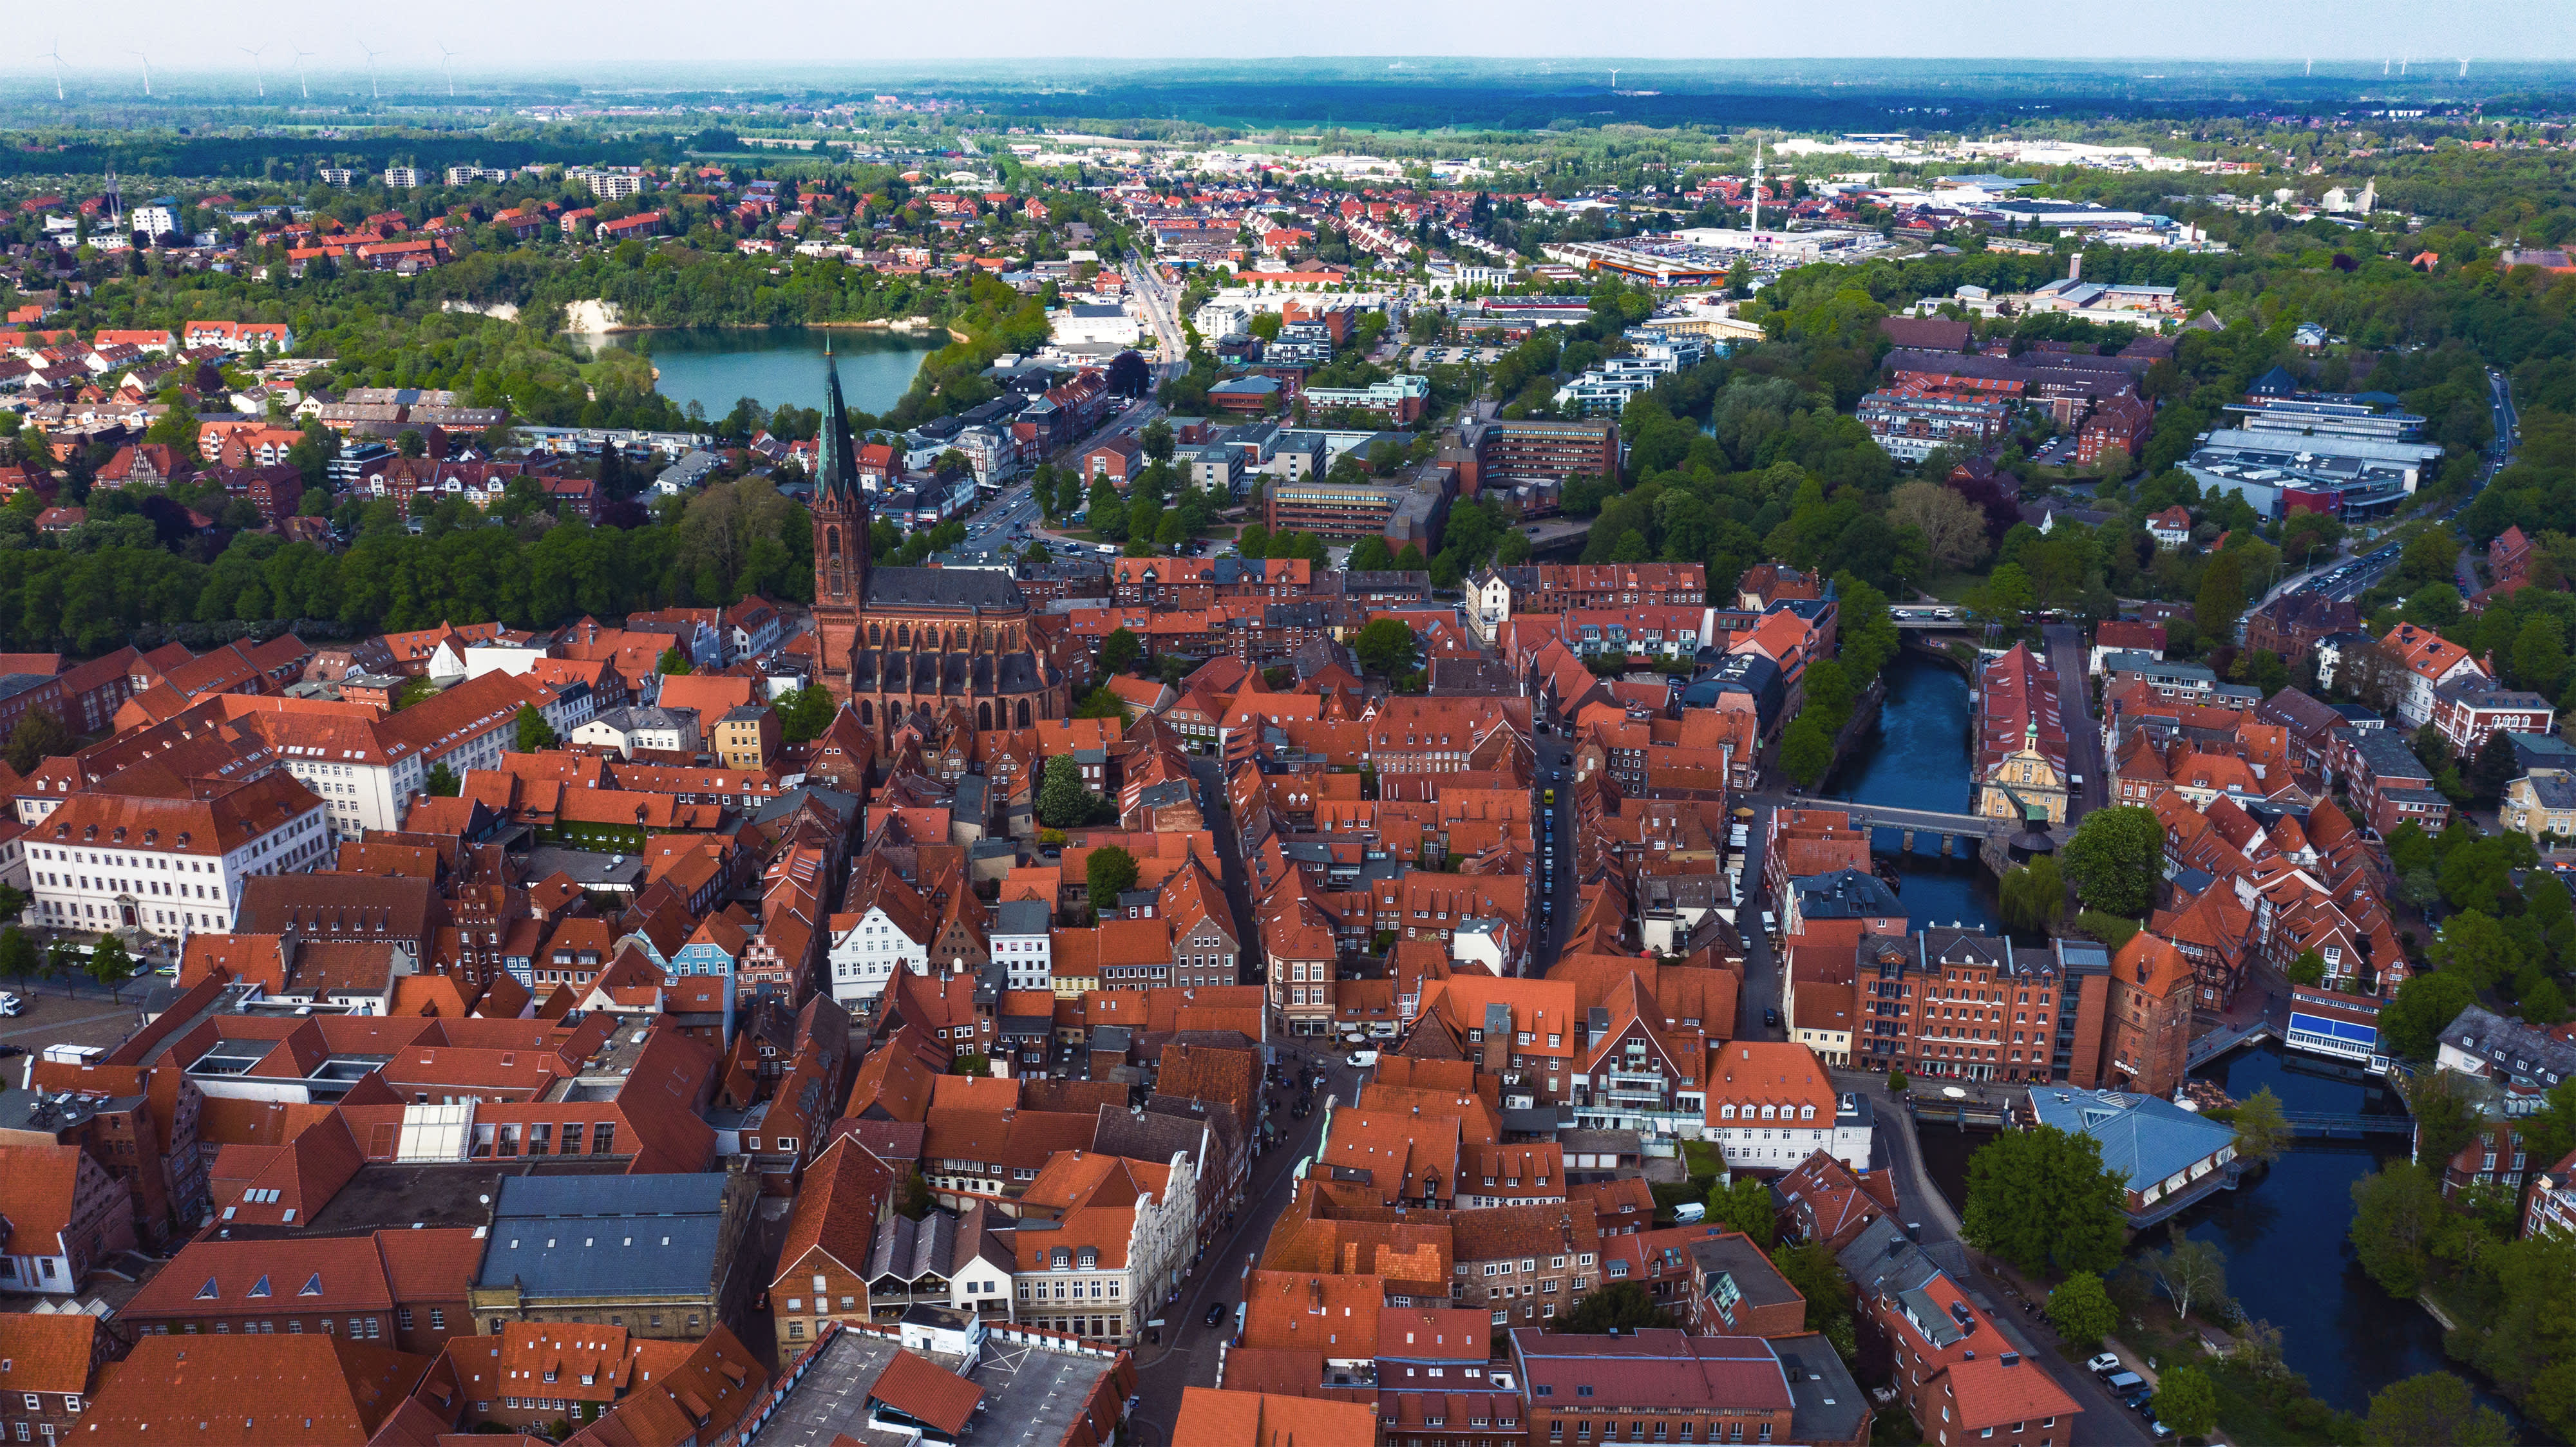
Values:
[(2144, 1138)]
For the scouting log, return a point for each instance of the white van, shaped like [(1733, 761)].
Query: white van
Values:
[(1689, 1211)]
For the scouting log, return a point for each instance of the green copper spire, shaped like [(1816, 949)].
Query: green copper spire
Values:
[(836, 476)]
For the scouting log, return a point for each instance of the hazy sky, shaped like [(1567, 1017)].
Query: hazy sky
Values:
[(562, 36)]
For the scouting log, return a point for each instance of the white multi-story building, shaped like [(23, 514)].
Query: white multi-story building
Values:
[(102, 861), (1023, 941), (1770, 1105), (405, 178), (892, 933), (1101, 1241), (367, 768)]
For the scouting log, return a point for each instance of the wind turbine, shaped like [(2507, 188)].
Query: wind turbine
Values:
[(147, 72), (256, 78), (56, 56), (372, 92), (300, 54), (447, 62)]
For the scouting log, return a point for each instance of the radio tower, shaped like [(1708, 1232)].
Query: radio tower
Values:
[(1757, 184)]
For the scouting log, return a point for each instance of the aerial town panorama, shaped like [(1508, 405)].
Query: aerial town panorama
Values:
[(1265, 753)]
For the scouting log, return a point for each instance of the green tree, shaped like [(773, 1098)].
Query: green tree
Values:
[(2411, 1024), (2262, 1132), (673, 663), (2187, 1400), (2397, 1211), (2082, 1311), (2437, 1407), (1102, 702), (1744, 1204), (1158, 440), (2042, 1200), (2115, 858), (2186, 1271), (2447, 1115), (1813, 1272), (39, 736), (2549, 1133), (1896, 1082), (2221, 597), (1111, 872), (2540, 655), (913, 1200), (2494, 766), (2033, 896), (110, 965), (806, 714), (2308, 969), (534, 732), (18, 957), (1063, 800), (1119, 651), (442, 783), (1619, 1306), (1807, 750), (2431, 556), (1386, 647), (1370, 555)]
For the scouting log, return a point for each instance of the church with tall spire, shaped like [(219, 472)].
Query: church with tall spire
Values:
[(903, 643)]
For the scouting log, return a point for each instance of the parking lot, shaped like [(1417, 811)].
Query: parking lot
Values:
[(54, 1018), (1455, 356)]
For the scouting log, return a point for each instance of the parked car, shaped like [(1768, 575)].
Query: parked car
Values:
[(1215, 1312), (1363, 1059), (11, 1004), (1771, 1019), (2123, 1383), (2106, 1362)]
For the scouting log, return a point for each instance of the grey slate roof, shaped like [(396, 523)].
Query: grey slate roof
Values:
[(1148, 1136), (1845, 894), (943, 588), (909, 1250), (606, 1235)]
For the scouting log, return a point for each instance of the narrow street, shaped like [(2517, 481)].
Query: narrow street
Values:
[(1187, 1355), (1896, 1150), (2067, 655)]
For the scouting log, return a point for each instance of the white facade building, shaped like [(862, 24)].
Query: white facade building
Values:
[(125, 862), (1024, 941), (866, 951)]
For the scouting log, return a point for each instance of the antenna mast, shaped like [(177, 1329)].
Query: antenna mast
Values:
[(1757, 184)]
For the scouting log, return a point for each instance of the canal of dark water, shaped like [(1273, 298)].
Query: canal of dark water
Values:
[(2284, 1231), (2285, 1234), (1916, 757)]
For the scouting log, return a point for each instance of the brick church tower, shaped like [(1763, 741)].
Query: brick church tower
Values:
[(840, 538)]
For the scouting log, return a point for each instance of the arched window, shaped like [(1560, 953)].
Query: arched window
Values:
[(903, 635), (867, 714), (1024, 713), (984, 716), (876, 635)]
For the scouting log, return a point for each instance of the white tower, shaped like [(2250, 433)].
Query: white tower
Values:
[(1757, 183)]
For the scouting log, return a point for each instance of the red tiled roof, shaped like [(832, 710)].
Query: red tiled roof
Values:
[(927, 1393)]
